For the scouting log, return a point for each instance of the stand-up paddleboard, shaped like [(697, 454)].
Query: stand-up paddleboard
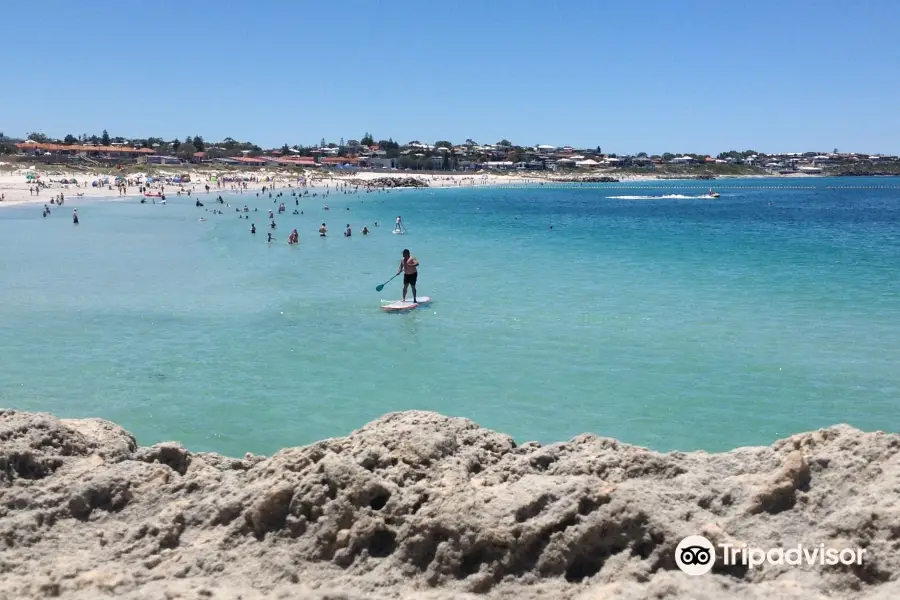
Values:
[(400, 305), (398, 232)]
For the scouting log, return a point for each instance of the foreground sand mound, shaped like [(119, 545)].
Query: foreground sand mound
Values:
[(420, 505)]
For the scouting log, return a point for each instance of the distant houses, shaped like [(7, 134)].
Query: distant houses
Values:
[(441, 156), (156, 159), (117, 152)]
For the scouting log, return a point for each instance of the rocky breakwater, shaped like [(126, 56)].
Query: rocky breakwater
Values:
[(391, 182), (586, 179), (418, 505)]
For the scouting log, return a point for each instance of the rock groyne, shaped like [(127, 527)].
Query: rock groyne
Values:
[(390, 182), (418, 505), (584, 179)]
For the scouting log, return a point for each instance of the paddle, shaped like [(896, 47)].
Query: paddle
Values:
[(378, 288)]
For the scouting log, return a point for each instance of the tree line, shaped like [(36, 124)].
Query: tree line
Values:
[(187, 147), (392, 149)]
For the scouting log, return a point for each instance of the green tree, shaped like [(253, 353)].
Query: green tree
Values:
[(198, 143), (504, 142), (367, 140), (37, 137), (341, 143), (188, 149), (667, 156), (443, 144), (285, 150), (104, 138), (70, 139), (176, 144), (322, 143), (642, 155), (391, 147), (599, 150)]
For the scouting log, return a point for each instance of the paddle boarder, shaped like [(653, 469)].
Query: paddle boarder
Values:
[(409, 266)]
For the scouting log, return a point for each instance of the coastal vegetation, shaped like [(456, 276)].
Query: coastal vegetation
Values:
[(445, 155)]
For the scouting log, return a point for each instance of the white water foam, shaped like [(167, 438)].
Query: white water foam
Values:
[(666, 197)]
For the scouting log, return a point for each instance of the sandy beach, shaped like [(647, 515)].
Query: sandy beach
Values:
[(16, 187)]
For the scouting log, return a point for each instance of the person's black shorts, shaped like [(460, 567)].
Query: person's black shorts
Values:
[(410, 279)]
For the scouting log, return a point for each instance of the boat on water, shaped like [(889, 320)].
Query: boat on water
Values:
[(712, 194)]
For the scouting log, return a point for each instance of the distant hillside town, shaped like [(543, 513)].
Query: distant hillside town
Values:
[(366, 153)]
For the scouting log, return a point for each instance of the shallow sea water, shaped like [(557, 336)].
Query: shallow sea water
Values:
[(675, 323)]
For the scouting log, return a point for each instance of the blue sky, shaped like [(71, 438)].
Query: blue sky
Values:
[(647, 76)]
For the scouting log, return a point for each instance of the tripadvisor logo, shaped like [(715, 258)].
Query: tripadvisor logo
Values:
[(696, 555)]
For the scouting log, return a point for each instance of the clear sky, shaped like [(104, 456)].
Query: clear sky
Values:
[(653, 76)]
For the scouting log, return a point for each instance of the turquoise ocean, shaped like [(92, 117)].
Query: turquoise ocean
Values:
[(671, 322)]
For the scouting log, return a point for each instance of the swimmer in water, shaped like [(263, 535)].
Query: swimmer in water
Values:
[(253, 228), (323, 230), (271, 239), (348, 233), (365, 230)]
